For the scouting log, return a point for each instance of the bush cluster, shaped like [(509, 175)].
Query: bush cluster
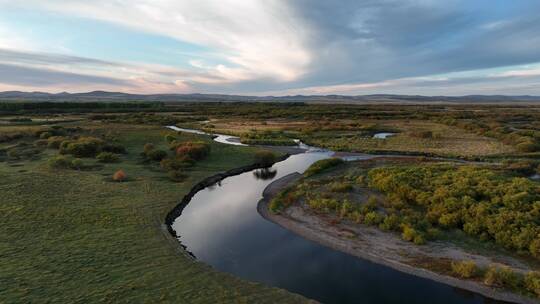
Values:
[(267, 137), (151, 153), (65, 162), (465, 269), (265, 158), (107, 157), (82, 147), (197, 150), (322, 165), (484, 203)]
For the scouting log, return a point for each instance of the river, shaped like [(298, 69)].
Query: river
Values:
[(222, 228)]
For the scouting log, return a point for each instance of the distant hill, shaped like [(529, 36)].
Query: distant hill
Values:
[(377, 98)]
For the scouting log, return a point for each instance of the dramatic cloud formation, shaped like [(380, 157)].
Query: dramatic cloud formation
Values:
[(275, 47)]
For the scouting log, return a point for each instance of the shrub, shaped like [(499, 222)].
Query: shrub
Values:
[(169, 138), (322, 165), (361, 180), (60, 162), (107, 157), (527, 147), (340, 187), (532, 282), (83, 147), (195, 150), (148, 148), (156, 155), (419, 239), (373, 218), (534, 248), (77, 164), (409, 233), (464, 269), (119, 176), (265, 158), (390, 223), (501, 277), (65, 162), (54, 142)]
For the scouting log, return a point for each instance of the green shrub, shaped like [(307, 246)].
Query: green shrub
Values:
[(373, 218), (82, 147), (23, 151), (465, 269), (390, 223), (322, 165), (77, 164), (527, 147), (501, 277), (156, 155), (532, 282), (169, 138), (340, 187), (107, 157), (283, 200), (60, 162), (265, 158), (412, 235), (419, 239), (534, 248), (148, 148), (54, 142)]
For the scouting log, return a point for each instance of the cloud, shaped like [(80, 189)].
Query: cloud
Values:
[(255, 38), (305, 46), (19, 75)]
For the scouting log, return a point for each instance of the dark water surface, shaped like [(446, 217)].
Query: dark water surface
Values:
[(222, 228)]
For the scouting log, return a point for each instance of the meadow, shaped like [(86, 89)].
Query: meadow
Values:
[(74, 235), (86, 188)]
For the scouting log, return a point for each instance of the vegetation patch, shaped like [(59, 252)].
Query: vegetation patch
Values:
[(322, 165)]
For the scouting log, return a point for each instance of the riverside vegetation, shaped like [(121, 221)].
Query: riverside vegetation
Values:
[(70, 233), (493, 209), (86, 187)]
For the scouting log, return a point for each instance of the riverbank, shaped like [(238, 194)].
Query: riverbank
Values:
[(74, 236), (380, 247)]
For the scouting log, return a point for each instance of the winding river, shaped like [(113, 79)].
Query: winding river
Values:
[(221, 227)]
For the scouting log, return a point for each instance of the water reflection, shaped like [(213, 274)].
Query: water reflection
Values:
[(265, 173), (222, 228)]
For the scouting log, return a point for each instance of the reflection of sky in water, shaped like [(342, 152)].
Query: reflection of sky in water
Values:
[(221, 227), (383, 135)]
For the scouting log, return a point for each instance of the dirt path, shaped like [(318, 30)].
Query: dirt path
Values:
[(381, 247)]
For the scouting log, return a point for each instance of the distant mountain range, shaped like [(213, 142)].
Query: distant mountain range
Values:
[(377, 98)]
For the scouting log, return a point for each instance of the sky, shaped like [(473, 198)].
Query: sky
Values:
[(272, 47)]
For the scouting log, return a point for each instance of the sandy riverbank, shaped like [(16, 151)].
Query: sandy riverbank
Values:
[(381, 247)]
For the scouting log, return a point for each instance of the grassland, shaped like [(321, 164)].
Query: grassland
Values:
[(69, 236), (76, 236), (411, 136)]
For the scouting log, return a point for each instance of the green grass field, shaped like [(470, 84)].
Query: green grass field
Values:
[(70, 236)]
